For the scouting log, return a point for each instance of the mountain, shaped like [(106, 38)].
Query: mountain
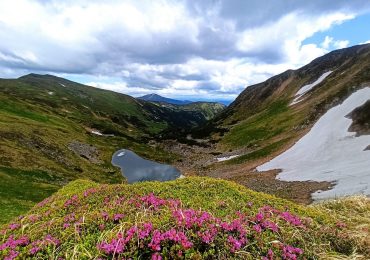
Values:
[(274, 110), (299, 122), (157, 98), (295, 127), (55, 130)]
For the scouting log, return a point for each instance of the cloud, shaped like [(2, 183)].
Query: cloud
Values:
[(329, 42), (211, 48)]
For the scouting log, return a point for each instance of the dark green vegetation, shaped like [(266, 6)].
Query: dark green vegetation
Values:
[(40, 116), (262, 119), (21, 189), (190, 218)]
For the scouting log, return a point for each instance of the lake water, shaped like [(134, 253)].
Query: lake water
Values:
[(137, 169)]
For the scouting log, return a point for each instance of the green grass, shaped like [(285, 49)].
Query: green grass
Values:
[(21, 189), (36, 128), (257, 129), (259, 153), (18, 110), (81, 216)]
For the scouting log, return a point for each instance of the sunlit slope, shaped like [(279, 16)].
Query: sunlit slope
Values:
[(267, 118)]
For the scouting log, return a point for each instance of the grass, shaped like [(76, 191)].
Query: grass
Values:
[(36, 128), (190, 218), (354, 211), (21, 189), (275, 120)]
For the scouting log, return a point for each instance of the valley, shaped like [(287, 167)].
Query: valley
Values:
[(57, 139), (54, 130)]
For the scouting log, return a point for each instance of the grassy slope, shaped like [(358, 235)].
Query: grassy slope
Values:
[(81, 216), (261, 118), (41, 114), (36, 128)]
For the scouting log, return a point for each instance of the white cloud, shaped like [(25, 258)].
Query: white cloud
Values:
[(168, 47)]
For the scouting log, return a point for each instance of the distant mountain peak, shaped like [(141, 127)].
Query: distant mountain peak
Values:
[(157, 98)]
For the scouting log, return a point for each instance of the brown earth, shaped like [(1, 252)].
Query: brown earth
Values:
[(201, 161)]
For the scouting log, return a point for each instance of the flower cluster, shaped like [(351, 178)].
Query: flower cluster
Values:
[(197, 230), (186, 231), (13, 246), (73, 201)]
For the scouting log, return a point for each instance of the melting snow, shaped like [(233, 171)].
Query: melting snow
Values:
[(95, 132), (303, 90), (221, 159), (330, 153)]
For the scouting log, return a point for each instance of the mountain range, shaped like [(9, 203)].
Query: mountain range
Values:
[(302, 135)]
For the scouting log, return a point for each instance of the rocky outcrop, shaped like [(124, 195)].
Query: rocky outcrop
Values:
[(361, 119), (86, 151)]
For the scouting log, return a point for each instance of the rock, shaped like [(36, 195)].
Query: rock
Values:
[(86, 151)]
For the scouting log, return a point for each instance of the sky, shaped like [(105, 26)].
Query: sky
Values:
[(186, 49)]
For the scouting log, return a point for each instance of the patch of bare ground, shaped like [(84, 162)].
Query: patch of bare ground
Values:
[(200, 161), (361, 119), (298, 191), (367, 148)]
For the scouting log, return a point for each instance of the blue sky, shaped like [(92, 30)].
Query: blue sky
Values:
[(356, 31), (187, 49)]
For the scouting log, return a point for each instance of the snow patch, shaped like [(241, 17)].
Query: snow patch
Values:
[(303, 90), (221, 159), (62, 85), (51, 93), (328, 152), (96, 132)]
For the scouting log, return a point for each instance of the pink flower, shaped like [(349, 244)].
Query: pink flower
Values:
[(66, 225), (105, 216), (257, 228), (156, 256), (14, 226), (144, 233), (117, 217), (235, 244), (271, 225), (259, 216), (290, 218), (291, 253), (11, 255)]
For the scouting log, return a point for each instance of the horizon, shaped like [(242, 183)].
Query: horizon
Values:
[(139, 47)]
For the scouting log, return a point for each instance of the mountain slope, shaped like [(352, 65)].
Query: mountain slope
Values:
[(158, 98), (53, 130), (264, 117)]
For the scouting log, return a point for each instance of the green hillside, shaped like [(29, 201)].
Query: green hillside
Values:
[(44, 118), (262, 118)]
